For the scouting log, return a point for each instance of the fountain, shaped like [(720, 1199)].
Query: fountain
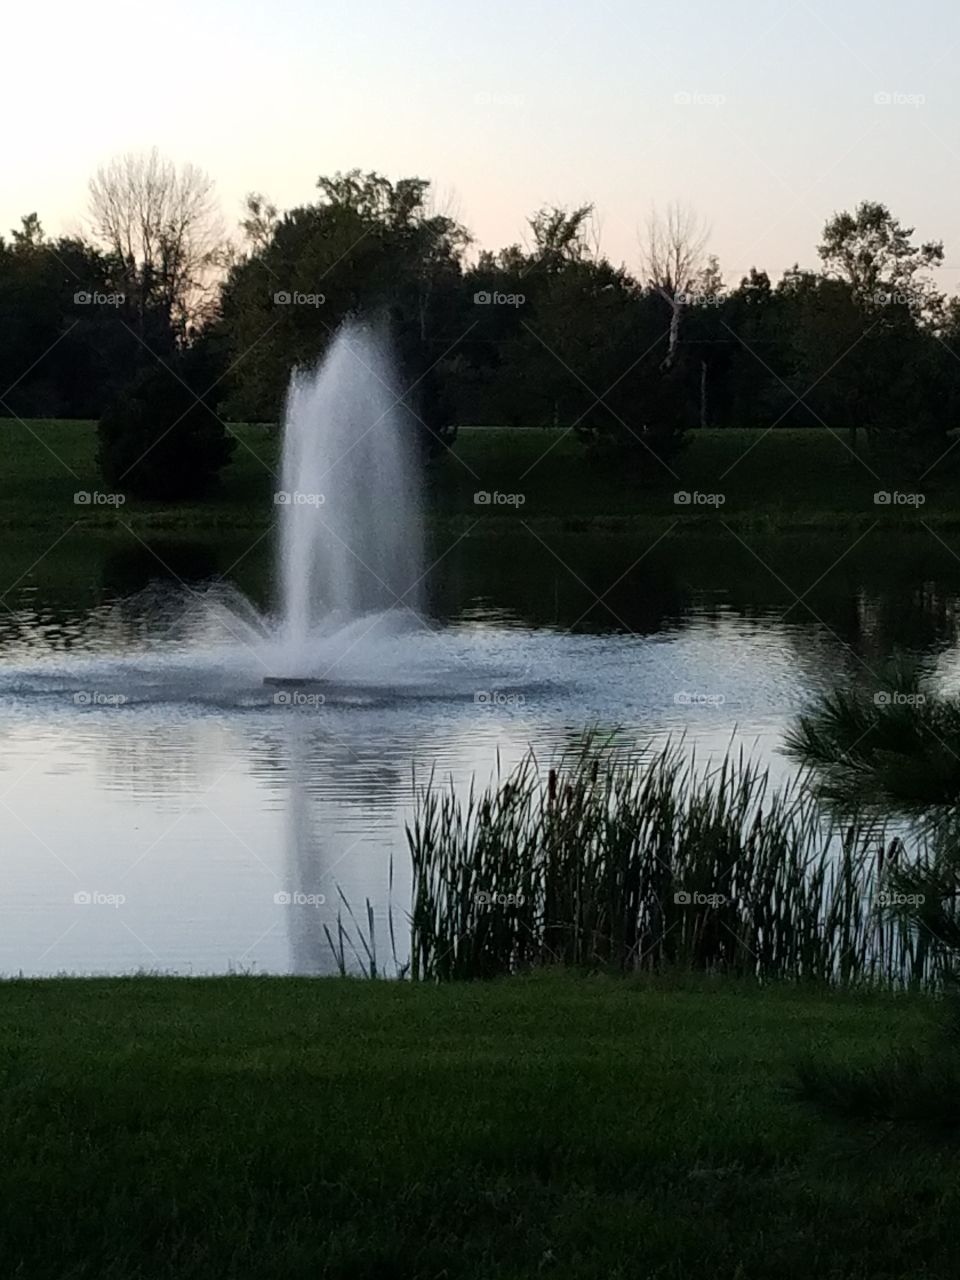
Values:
[(351, 540)]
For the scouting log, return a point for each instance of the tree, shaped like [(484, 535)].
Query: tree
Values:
[(874, 253), (367, 246), (672, 257), (163, 224), (65, 350)]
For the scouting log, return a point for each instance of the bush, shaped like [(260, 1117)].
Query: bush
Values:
[(159, 440)]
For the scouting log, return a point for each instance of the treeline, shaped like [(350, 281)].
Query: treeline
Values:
[(152, 315)]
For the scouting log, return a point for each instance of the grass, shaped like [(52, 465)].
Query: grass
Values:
[(782, 479), (536, 1127)]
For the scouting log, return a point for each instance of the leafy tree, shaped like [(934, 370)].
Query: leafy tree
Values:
[(66, 347), (367, 246), (874, 253)]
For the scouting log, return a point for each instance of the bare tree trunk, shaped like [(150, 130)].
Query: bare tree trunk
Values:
[(673, 337), (703, 394)]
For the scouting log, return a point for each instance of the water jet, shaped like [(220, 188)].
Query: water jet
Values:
[(351, 539)]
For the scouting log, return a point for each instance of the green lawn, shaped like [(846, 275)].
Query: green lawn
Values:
[(779, 479), (543, 1127)]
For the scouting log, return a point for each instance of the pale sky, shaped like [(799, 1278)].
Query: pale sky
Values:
[(761, 114)]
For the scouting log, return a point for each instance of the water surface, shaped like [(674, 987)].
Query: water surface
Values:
[(144, 764)]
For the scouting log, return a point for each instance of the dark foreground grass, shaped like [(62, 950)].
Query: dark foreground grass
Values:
[(543, 1127), (781, 479)]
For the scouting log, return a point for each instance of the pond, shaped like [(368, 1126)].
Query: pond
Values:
[(163, 809)]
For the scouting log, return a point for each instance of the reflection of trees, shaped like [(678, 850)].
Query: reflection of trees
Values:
[(554, 579), (131, 566), (868, 598), (96, 592)]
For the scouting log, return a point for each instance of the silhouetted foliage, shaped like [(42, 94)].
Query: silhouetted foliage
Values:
[(160, 440), (550, 333)]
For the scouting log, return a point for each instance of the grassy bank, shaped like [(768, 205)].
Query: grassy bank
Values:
[(550, 1126), (779, 480)]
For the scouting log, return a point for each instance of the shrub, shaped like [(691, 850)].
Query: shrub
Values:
[(160, 440)]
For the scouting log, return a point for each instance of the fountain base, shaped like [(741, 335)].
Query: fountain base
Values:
[(294, 682)]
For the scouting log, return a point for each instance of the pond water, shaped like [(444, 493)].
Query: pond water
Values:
[(163, 809)]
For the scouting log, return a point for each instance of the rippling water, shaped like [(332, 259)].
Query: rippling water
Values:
[(145, 766)]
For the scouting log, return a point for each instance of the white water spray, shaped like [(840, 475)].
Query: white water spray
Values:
[(351, 538)]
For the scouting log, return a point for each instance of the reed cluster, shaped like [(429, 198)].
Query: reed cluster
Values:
[(604, 862)]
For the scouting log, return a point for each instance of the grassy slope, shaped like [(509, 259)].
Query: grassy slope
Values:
[(550, 1127), (781, 478)]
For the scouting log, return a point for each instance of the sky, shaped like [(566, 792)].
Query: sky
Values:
[(764, 116)]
